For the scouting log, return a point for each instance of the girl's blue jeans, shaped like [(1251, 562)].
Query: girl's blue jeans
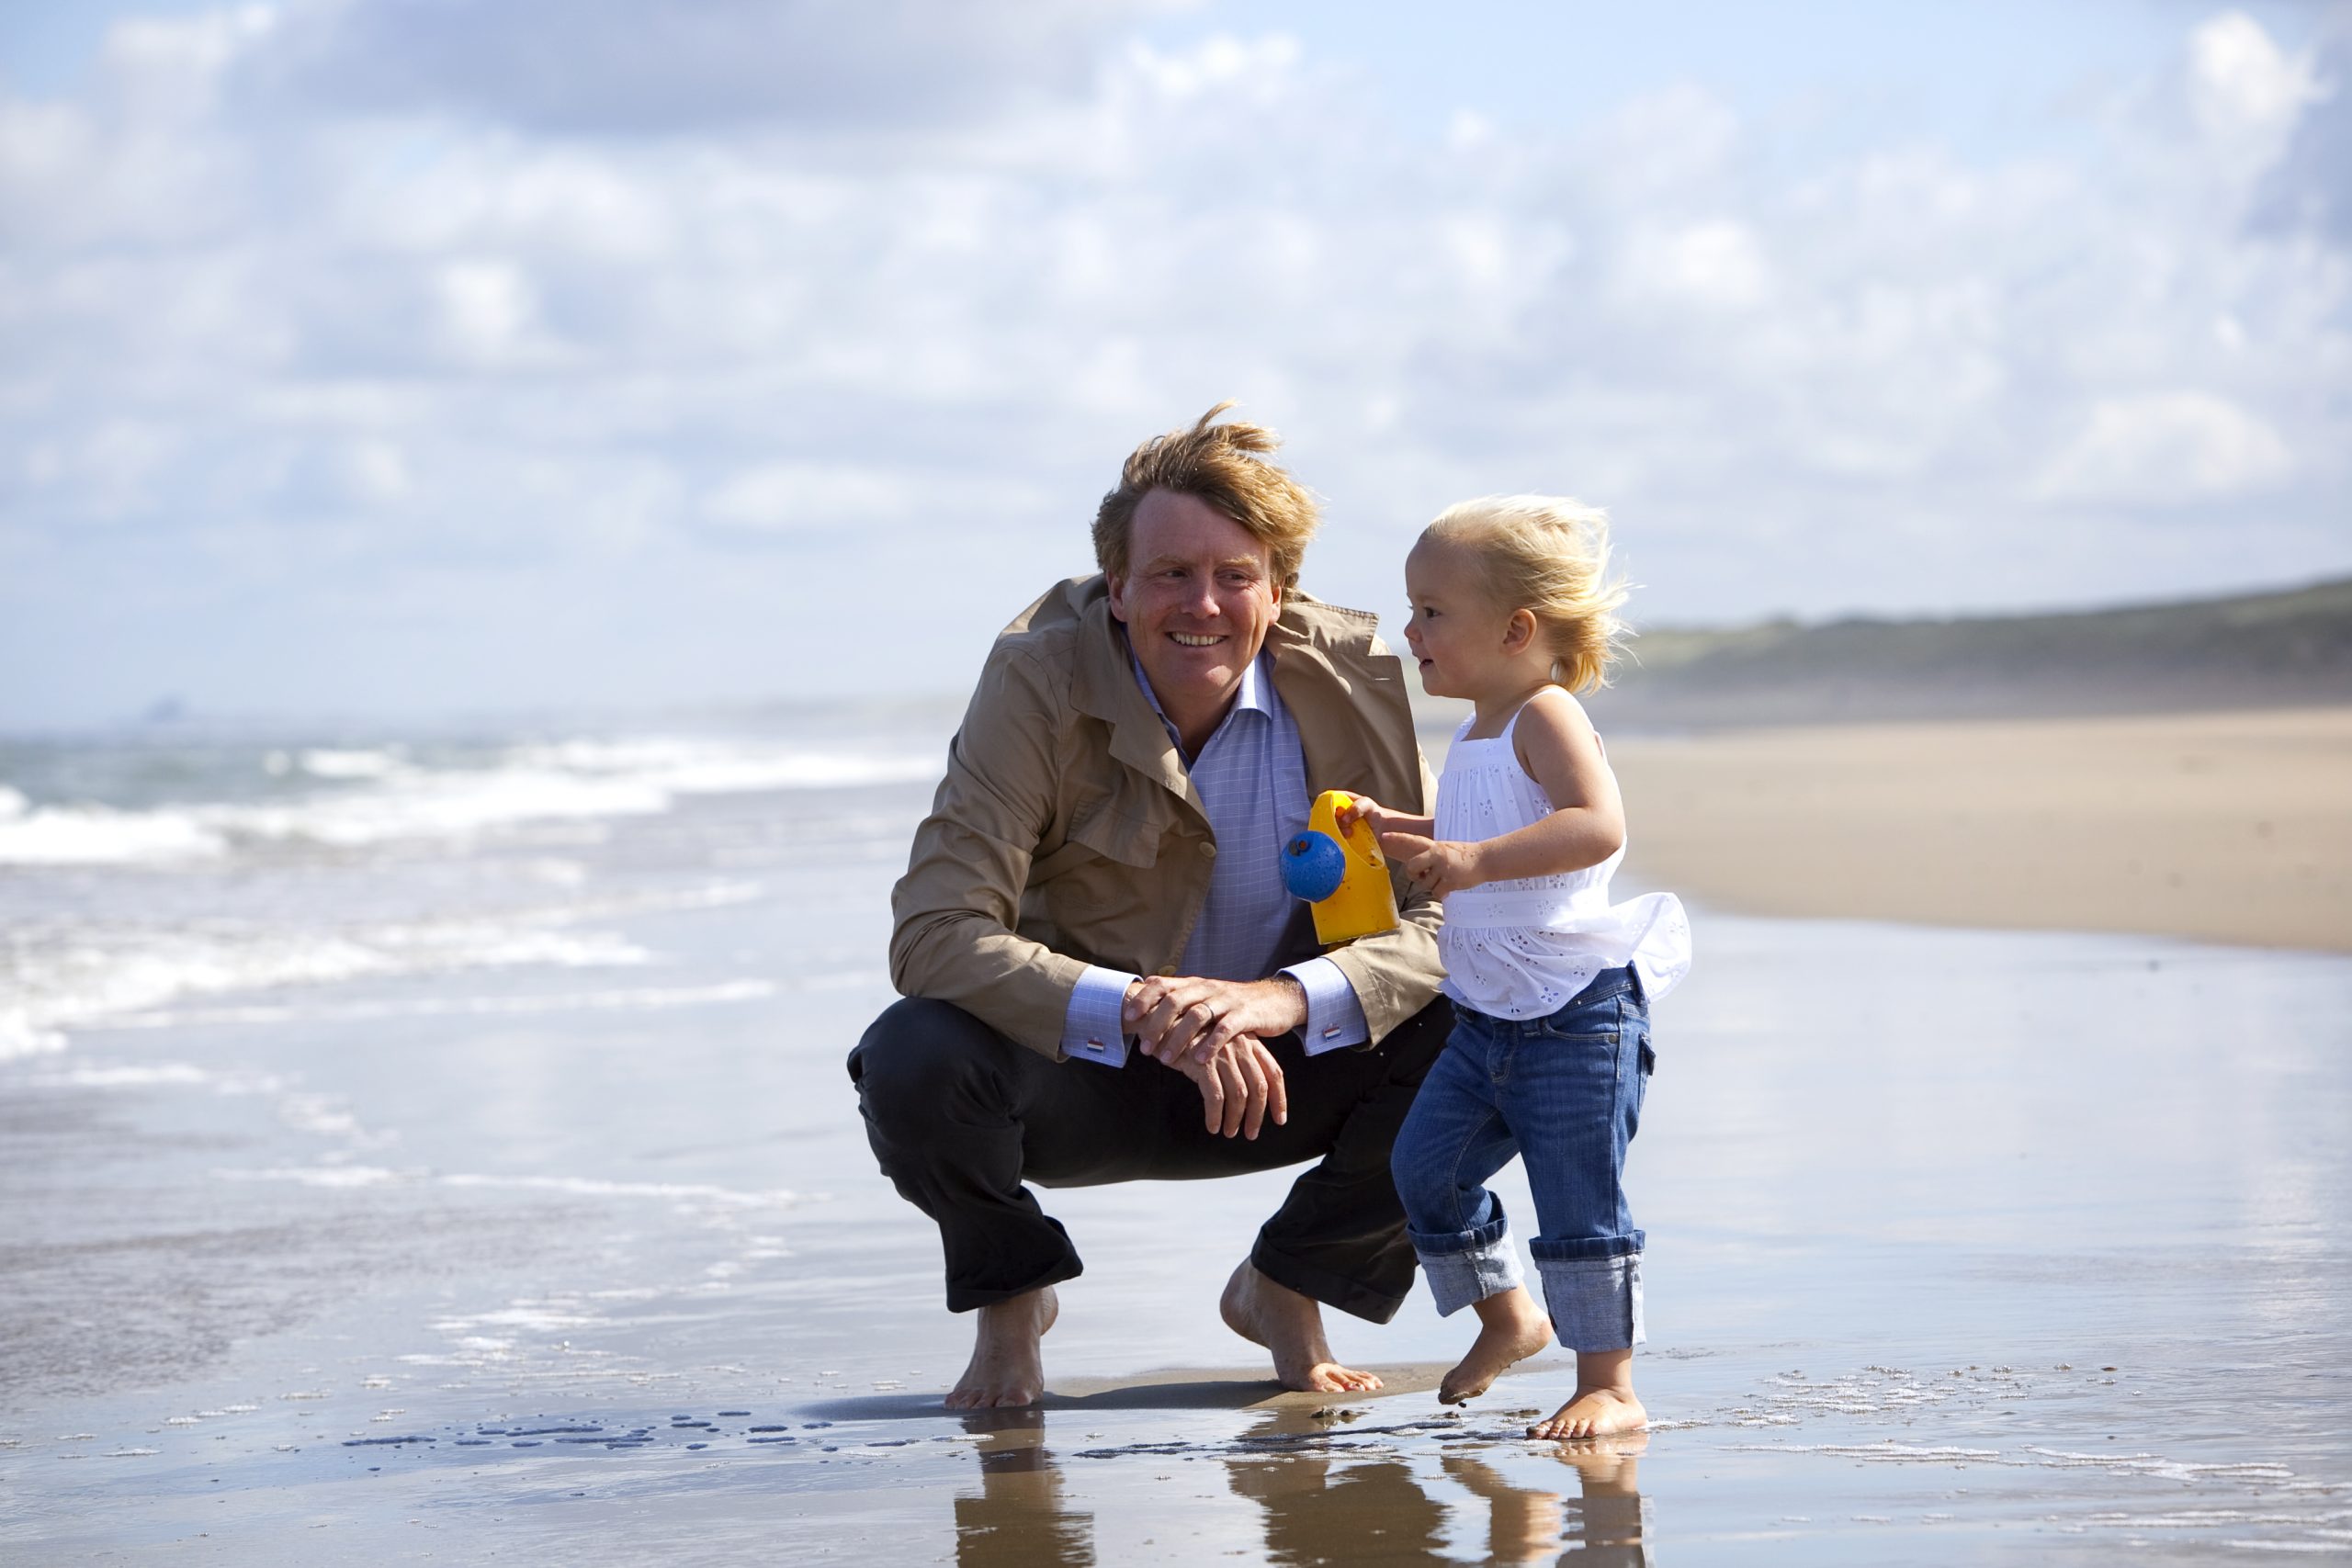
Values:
[(1564, 1093)]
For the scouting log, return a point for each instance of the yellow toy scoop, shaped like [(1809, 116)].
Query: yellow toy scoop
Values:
[(1343, 874)]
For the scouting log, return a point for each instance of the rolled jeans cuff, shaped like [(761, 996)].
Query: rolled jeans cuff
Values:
[(1464, 1267), (1595, 1301)]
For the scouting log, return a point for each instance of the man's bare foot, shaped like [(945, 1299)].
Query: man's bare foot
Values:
[(1008, 1364), (1594, 1413), (1510, 1329), (1291, 1326)]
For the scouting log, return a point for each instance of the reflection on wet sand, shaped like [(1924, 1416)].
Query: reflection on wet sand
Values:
[(1319, 1509), (1326, 1507), (1018, 1519), (1601, 1525)]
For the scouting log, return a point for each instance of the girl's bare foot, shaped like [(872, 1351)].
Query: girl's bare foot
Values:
[(1008, 1366), (1291, 1326), (1604, 1400), (1594, 1413), (1510, 1329)]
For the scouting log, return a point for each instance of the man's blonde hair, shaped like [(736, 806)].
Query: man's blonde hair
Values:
[(1225, 466), (1547, 555)]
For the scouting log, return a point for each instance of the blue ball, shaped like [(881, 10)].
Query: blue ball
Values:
[(1313, 866)]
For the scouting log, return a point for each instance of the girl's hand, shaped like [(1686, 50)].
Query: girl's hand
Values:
[(1383, 821), (1437, 867)]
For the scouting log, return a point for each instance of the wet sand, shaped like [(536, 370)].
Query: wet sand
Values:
[(2232, 827), (1965, 1246)]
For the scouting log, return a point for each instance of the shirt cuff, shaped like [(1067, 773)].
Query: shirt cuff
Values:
[(1334, 1016), (1091, 1030)]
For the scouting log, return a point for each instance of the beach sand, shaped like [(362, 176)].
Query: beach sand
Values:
[(1965, 1245), (2231, 826)]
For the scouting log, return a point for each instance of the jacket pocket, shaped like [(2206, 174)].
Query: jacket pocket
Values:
[(1102, 888), (1100, 835)]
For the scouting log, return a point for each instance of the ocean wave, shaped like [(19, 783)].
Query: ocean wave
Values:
[(99, 835), (365, 796), (60, 975), (342, 1176), (330, 762), (688, 1193), (639, 998), (155, 1076), (674, 1191)]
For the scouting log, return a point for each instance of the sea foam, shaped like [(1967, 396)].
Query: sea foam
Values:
[(366, 798), (99, 835)]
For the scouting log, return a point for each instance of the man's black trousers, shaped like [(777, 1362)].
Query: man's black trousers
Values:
[(961, 1117)]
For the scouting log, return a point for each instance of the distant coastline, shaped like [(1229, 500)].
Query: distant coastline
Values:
[(2285, 649)]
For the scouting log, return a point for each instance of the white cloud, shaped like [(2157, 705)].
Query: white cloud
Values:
[(2167, 449), (1715, 263), (2242, 85), (1469, 130), (488, 307), (808, 497), (171, 67), (377, 470), (2307, 189), (1254, 69), (1683, 138)]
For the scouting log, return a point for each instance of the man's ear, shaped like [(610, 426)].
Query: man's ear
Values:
[(1117, 581)]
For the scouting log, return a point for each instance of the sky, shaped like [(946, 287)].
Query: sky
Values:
[(408, 358)]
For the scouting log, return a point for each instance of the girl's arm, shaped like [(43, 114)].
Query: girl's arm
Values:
[(1557, 745)]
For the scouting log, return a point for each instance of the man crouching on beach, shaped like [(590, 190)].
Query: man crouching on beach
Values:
[(1098, 881)]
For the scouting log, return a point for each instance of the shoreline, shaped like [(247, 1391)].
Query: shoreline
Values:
[(2231, 826)]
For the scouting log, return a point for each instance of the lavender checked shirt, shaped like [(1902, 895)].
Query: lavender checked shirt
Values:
[(1252, 779)]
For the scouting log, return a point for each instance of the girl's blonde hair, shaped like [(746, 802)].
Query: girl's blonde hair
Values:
[(1548, 554)]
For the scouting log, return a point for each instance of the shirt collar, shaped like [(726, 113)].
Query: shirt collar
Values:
[(1256, 695)]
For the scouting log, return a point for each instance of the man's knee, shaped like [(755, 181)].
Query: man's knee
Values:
[(918, 1057)]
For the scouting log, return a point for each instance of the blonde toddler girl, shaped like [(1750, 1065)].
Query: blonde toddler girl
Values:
[(1552, 983)]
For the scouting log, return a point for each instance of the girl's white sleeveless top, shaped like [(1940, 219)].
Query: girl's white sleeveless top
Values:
[(1521, 949)]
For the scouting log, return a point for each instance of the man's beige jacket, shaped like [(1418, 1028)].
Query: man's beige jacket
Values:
[(1068, 832)]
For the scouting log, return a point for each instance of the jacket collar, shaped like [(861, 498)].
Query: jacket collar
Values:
[(1323, 669), (1103, 685)]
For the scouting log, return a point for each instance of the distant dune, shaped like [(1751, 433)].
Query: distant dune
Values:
[(2266, 650)]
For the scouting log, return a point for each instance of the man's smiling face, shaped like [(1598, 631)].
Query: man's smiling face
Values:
[(1198, 598)]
